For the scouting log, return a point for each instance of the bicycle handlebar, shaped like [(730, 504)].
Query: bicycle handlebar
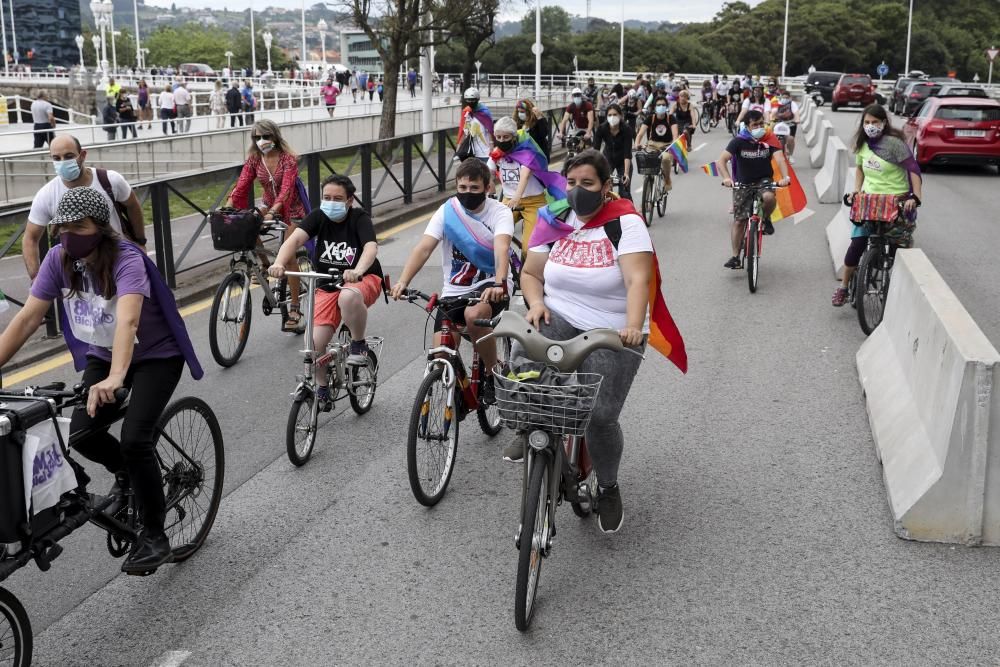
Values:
[(63, 397)]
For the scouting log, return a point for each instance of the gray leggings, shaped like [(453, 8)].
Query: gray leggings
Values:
[(604, 435)]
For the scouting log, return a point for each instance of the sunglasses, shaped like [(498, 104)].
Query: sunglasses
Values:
[(257, 137)]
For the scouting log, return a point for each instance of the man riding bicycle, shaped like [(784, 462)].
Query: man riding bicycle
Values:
[(751, 152), (662, 129), (581, 112), (474, 233), (787, 111)]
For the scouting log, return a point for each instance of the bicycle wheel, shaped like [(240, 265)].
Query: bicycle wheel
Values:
[(661, 197), (228, 331), (489, 415), (189, 448), (15, 631), (648, 187), (300, 432), (363, 395), (872, 288), (753, 258), (705, 119), (534, 537), (432, 440)]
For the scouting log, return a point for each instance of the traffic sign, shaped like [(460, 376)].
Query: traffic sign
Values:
[(992, 53), (882, 69)]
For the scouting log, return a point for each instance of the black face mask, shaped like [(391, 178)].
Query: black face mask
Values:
[(471, 201), (505, 146), (584, 201)]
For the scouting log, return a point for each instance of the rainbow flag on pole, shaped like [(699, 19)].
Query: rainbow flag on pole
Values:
[(790, 200), (711, 169), (679, 149)]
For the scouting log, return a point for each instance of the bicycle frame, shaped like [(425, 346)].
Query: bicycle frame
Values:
[(449, 359)]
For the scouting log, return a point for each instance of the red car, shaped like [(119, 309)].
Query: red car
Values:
[(853, 90), (955, 130)]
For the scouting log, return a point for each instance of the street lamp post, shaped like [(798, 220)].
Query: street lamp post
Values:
[(321, 26), (114, 52), (138, 46), (3, 31), (536, 48), (267, 45), (909, 31), (13, 31), (253, 45), (784, 48), (479, 64), (79, 45), (229, 62), (303, 58), (621, 45)]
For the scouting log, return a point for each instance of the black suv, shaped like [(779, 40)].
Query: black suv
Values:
[(897, 102), (823, 83)]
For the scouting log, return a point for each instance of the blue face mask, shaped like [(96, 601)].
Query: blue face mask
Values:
[(335, 210), (758, 132), (68, 170), (660, 110)]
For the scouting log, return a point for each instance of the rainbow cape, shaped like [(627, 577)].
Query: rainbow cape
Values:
[(790, 200), (664, 336), (472, 238), (527, 154), (480, 113), (679, 149)]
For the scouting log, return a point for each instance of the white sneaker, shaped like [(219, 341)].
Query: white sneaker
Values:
[(791, 160)]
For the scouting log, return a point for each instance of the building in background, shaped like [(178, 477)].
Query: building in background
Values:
[(357, 52), (45, 32)]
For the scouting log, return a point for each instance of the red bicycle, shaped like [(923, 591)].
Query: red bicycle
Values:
[(753, 234)]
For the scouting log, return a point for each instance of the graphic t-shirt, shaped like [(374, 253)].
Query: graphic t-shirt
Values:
[(763, 107), (510, 177), (658, 129), (339, 244), (583, 282), (786, 111), (881, 176), (751, 160), (460, 275), (93, 317)]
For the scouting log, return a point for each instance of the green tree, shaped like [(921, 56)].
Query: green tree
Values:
[(555, 22)]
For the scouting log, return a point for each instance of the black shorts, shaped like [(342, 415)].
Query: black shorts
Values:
[(456, 311)]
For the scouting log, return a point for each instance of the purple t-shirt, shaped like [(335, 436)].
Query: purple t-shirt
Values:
[(92, 317)]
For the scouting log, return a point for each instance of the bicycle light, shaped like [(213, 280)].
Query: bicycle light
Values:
[(538, 440)]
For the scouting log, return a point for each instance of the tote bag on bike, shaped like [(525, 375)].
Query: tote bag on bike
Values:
[(234, 230), (874, 208)]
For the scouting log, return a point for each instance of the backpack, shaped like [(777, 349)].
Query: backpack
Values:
[(102, 178)]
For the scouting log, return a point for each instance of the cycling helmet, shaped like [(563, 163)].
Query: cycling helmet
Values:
[(471, 94), (661, 84), (577, 91)]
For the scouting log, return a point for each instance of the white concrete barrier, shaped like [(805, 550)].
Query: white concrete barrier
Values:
[(838, 232), (929, 374), (806, 114), (816, 124), (818, 153), (829, 180)]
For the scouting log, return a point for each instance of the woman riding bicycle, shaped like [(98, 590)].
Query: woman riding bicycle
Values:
[(756, 102), (529, 117), (587, 279), (616, 139), (345, 240), (685, 114), (886, 166), (272, 163), (122, 326)]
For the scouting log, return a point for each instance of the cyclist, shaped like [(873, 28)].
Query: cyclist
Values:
[(756, 102), (751, 152), (617, 139), (721, 97), (886, 166), (685, 115), (662, 129), (661, 89), (524, 174), (787, 111), (271, 162), (581, 112), (531, 118), (465, 226), (123, 330), (345, 240), (477, 122), (590, 92), (581, 279)]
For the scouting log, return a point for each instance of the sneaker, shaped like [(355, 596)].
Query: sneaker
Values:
[(733, 263), (768, 227), (610, 514), (489, 394), (358, 356), (514, 452), (152, 551), (323, 398), (791, 160), (839, 297)]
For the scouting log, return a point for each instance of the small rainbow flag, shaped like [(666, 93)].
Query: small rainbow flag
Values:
[(790, 200), (679, 150), (711, 169)]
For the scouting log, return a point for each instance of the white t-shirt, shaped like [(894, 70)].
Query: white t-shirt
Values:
[(583, 282), (45, 203), (510, 177), (166, 100), (182, 96), (764, 108), (460, 276)]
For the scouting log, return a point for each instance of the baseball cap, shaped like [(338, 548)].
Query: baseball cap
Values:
[(80, 203), (577, 91)]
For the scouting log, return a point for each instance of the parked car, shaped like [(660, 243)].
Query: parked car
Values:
[(823, 83), (196, 70), (915, 94), (958, 90), (853, 90), (955, 130), (898, 90)]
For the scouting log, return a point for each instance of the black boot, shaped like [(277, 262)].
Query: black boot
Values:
[(152, 551)]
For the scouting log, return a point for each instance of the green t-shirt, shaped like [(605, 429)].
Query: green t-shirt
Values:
[(881, 177)]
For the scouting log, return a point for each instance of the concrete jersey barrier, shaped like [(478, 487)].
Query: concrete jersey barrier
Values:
[(929, 374), (812, 135), (818, 154), (829, 180), (838, 232)]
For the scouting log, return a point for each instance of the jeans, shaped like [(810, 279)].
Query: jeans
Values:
[(168, 115), (42, 137), (235, 116), (624, 189), (127, 126), (152, 383)]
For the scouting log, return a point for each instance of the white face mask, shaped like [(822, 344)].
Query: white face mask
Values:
[(265, 146), (522, 115), (873, 130), (614, 120), (577, 100)]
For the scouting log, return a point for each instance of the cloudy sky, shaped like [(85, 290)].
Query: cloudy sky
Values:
[(646, 10)]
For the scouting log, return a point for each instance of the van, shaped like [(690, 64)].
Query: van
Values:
[(196, 70)]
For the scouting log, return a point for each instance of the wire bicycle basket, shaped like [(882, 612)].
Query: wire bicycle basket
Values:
[(561, 405)]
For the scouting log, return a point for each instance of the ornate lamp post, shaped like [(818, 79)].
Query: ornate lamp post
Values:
[(79, 45), (229, 61), (100, 10), (321, 26), (267, 36)]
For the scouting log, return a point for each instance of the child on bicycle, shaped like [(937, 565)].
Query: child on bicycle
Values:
[(123, 329), (750, 151), (474, 233), (345, 240)]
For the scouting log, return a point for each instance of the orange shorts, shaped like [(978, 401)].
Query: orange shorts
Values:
[(327, 310)]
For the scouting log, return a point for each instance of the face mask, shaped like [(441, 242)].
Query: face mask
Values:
[(660, 109), (522, 115), (785, 100), (471, 201), (68, 170), (265, 146), (758, 132), (505, 146), (873, 130), (614, 120), (583, 201), (335, 210), (79, 246), (577, 100)]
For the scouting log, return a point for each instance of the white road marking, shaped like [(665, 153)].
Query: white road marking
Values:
[(804, 214), (699, 147), (172, 659)]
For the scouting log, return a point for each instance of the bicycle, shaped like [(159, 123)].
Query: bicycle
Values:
[(232, 307), (575, 143), (654, 192), (355, 382), (708, 118), (554, 414), (752, 245), (191, 456), (447, 394)]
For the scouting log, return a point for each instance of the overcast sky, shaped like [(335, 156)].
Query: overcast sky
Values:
[(646, 10)]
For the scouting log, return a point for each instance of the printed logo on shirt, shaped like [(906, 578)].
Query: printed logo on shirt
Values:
[(337, 253), (661, 130), (463, 272), (91, 313), (583, 254), (511, 175), (873, 163), (759, 153)]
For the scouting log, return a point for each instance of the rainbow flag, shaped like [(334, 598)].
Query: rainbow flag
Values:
[(527, 154), (711, 169), (480, 113), (679, 150), (790, 200)]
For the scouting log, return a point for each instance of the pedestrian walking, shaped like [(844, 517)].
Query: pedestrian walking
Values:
[(330, 91), (234, 105), (69, 161), (217, 105), (109, 119), (354, 85), (249, 101), (411, 82), (167, 110), (380, 89), (371, 89), (182, 103), (44, 119), (145, 105), (126, 115)]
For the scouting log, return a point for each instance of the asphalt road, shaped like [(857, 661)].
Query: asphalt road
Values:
[(756, 527)]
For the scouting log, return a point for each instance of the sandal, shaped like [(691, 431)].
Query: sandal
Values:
[(839, 297), (294, 319)]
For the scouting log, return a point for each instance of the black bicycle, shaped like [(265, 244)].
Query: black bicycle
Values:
[(189, 450), (869, 286)]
